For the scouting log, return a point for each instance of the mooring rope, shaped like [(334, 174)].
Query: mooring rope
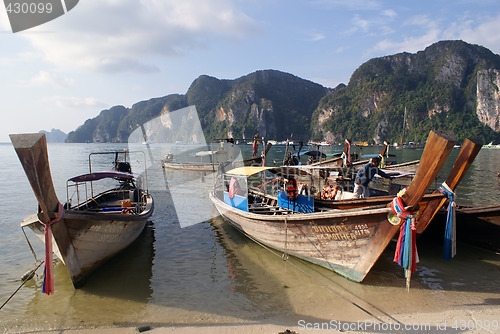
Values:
[(28, 277), (284, 256), (328, 287)]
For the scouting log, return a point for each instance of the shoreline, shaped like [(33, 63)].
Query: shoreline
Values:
[(457, 296), (484, 320)]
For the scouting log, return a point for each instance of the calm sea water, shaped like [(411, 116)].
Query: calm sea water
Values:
[(202, 273)]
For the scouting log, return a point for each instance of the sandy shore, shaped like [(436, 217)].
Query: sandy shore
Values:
[(474, 319), (458, 296)]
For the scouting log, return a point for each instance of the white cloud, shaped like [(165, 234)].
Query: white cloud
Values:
[(360, 23), (424, 24), (47, 78), (409, 44), (376, 23), (129, 35), (483, 31), (4, 20), (389, 13), (71, 102), (339, 50), (315, 36)]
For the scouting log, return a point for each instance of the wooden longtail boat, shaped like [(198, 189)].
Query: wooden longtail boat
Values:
[(409, 166), (348, 242), (216, 159), (194, 167), (339, 160), (215, 156), (475, 225), (95, 228), (205, 166)]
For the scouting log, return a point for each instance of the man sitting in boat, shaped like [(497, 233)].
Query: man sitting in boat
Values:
[(364, 175), (329, 191)]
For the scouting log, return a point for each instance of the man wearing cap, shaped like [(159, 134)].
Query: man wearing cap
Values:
[(364, 175)]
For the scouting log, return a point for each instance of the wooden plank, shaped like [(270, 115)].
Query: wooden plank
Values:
[(437, 149), (31, 149), (464, 160)]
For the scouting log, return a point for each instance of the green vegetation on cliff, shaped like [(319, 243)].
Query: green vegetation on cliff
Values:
[(436, 86)]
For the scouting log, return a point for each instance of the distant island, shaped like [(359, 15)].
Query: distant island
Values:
[(451, 85), (55, 136)]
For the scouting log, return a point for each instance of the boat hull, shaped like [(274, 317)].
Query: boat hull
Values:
[(196, 167), (206, 166), (96, 237), (348, 243), (476, 225)]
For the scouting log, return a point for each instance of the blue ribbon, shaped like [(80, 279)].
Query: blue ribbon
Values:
[(449, 247)]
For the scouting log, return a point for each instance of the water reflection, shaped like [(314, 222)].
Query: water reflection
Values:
[(209, 272), (128, 275)]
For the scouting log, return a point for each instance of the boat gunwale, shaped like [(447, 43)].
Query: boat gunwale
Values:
[(298, 216), (99, 215)]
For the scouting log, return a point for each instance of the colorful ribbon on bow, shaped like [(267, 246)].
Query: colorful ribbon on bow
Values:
[(450, 233), (406, 248), (48, 272), (346, 158)]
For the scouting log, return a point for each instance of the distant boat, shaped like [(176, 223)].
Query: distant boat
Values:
[(216, 157), (91, 227), (490, 145)]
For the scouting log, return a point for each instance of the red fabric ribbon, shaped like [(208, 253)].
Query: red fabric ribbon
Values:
[(48, 274), (406, 248)]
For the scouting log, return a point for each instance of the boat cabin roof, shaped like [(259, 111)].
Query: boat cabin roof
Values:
[(314, 154), (101, 175)]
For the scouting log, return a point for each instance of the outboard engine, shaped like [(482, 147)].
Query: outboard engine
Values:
[(169, 157), (124, 166)]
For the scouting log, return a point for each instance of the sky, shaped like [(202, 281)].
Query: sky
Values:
[(104, 53)]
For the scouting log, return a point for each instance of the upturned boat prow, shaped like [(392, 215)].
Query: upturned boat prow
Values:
[(436, 151), (466, 156), (348, 242), (31, 148)]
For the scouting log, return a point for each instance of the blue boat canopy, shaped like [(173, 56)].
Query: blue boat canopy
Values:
[(313, 154), (101, 175)]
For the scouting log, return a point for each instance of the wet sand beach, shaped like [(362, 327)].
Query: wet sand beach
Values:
[(457, 296)]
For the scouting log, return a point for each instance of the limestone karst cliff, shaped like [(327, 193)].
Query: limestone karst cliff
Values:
[(450, 85)]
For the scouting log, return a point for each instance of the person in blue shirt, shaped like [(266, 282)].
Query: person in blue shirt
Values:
[(364, 175)]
